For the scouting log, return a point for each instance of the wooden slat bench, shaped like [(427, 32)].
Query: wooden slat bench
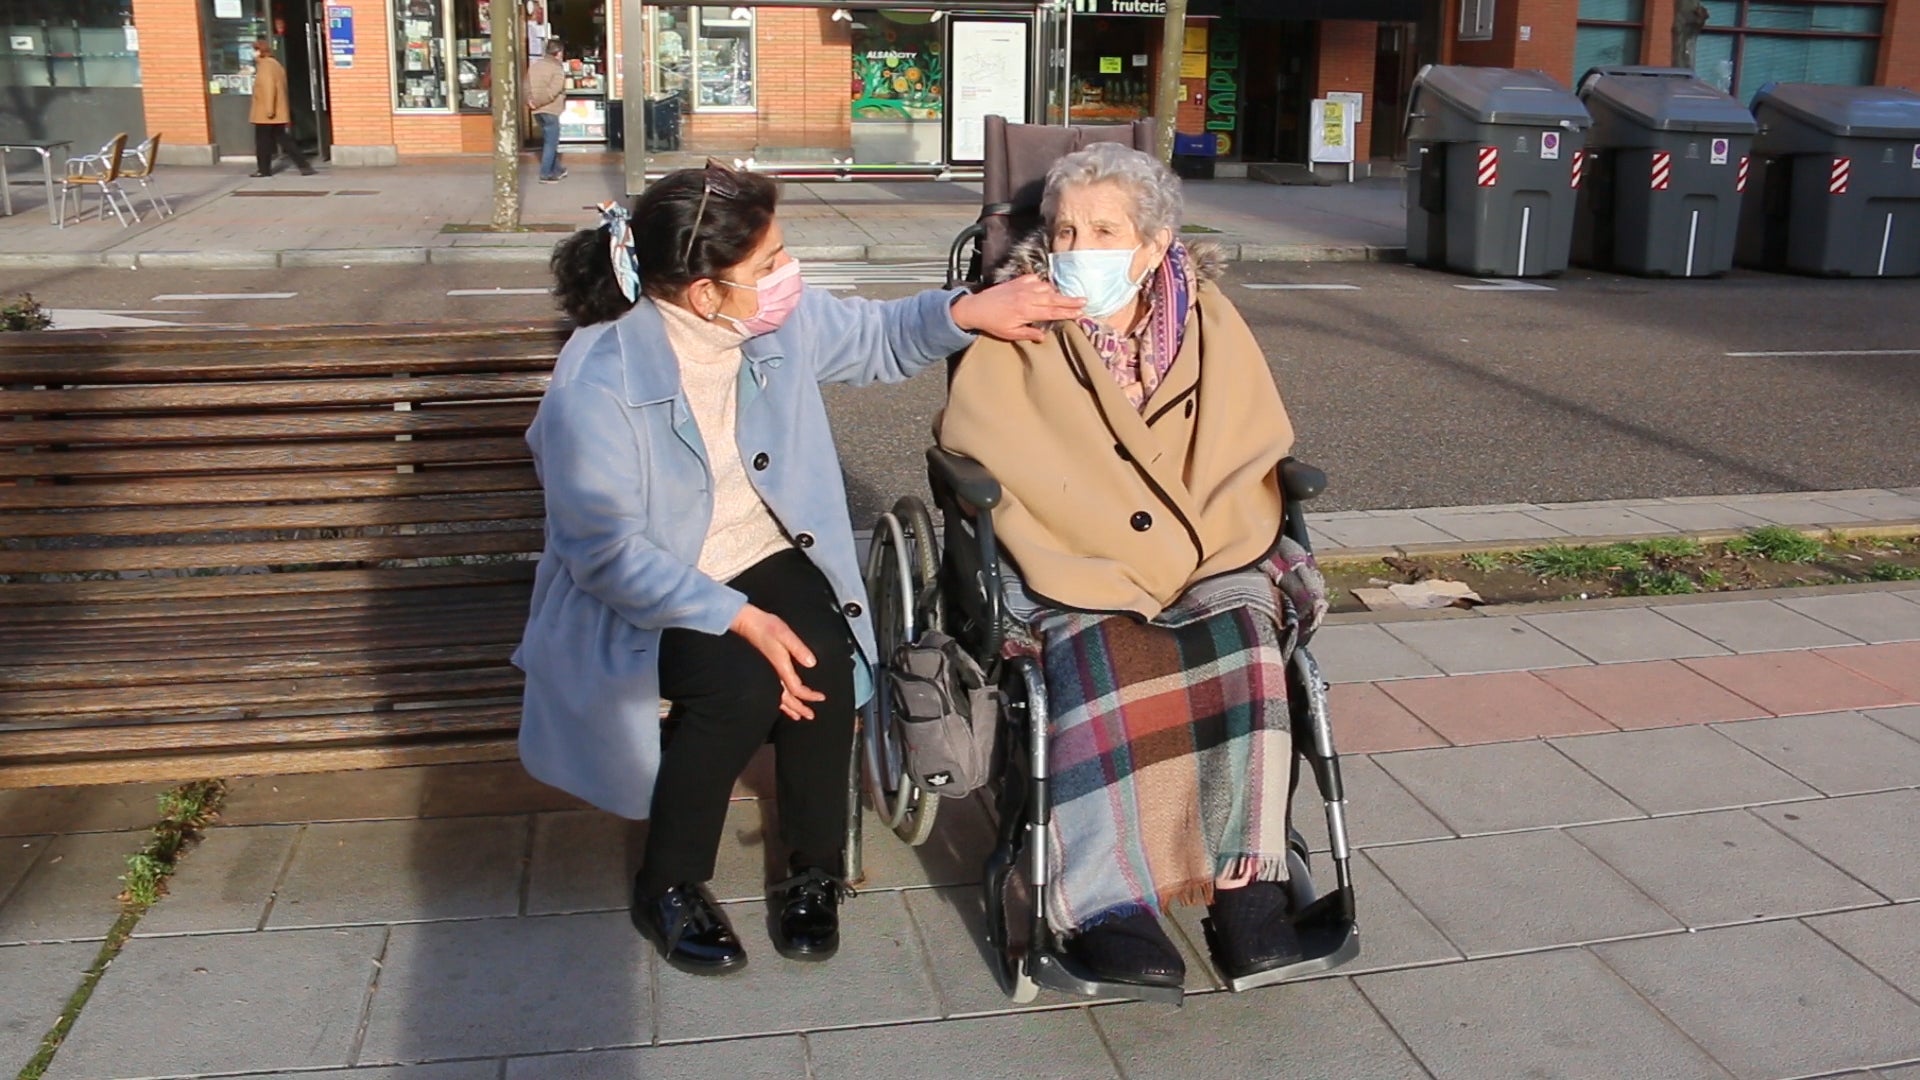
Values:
[(263, 551)]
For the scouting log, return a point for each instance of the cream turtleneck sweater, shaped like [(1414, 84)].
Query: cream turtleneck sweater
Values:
[(743, 530)]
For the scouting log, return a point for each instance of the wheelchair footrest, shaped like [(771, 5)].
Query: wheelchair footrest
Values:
[(1056, 972), (1327, 940)]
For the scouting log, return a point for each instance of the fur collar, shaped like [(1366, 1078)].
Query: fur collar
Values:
[(1029, 256)]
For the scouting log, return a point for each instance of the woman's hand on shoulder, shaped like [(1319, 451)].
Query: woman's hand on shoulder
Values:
[(1010, 310)]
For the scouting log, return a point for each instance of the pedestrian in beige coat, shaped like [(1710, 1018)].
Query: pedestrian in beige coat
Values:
[(272, 115)]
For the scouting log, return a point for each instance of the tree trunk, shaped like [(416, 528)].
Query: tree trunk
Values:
[(508, 59), (1166, 89), (1689, 16)]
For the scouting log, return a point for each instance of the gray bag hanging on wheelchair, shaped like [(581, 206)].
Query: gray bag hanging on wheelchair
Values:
[(948, 713)]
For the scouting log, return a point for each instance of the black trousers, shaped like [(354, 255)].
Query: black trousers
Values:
[(727, 703), (270, 137)]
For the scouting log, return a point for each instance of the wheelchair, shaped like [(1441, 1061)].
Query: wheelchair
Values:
[(917, 582)]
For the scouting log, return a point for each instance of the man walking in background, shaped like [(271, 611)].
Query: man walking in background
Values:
[(547, 97), (271, 114)]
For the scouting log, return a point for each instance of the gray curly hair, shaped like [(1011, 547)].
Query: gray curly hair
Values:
[(1151, 186)]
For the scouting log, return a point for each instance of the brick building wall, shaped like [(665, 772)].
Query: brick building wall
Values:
[(1900, 45), (173, 71), (1344, 63), (362, 95)]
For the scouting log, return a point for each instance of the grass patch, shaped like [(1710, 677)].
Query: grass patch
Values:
[(184, 812), (1776, 543), (1669, 547), (1484, 561), (1560, 561), (1659, 583), (1893, 572), (1191, 230)]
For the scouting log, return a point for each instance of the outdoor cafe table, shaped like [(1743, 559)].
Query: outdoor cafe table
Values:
[(43, 147)]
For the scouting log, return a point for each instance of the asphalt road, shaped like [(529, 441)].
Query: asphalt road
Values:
[(1407, 388)]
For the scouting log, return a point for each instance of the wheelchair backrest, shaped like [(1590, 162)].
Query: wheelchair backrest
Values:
[(1015, 173)]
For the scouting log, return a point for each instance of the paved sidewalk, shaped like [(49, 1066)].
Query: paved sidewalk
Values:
[(403, 215), (1664, 839)]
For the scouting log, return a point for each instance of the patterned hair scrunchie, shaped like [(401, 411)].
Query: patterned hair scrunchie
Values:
[(626, 261)]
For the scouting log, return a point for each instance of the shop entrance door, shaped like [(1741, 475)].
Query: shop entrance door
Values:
[(303, 28), (1395, 63), (1276, 89)]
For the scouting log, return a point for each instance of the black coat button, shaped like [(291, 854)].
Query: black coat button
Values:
[(805, 540), (1141, 521), (761, 461), (851, 611)]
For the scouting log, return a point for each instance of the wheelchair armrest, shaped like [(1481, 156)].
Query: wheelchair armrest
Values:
[(969, 480), (1301, 481)]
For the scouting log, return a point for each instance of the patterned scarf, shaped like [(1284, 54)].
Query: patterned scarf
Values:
[(1140, 359)]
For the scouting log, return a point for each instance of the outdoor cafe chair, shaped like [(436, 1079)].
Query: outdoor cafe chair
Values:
[(101, 172)]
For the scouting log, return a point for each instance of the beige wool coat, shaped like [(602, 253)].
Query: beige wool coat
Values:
[(269, 92), (1105, 508)]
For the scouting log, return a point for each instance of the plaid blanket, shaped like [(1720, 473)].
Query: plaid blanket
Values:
[(1171, 750)]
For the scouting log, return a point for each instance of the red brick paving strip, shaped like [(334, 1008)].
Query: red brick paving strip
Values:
[(1659, 693), (1493, 708), (1894, 666), (1796, 683), (1411, 714), (1367, 721)]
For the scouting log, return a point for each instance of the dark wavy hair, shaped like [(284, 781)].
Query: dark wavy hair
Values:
[(732, 226)]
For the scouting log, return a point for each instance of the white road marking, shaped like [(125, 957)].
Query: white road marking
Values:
[(1301, 287), (847, 275), (225, 296), (94, 319), (1504, 285), (498, 292), (1828, 352)]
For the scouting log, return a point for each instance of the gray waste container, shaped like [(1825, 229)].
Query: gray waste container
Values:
[(1661, 195), (1491, 159), (1835, 187)]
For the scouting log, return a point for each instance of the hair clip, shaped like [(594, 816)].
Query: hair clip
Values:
[(626, 261)]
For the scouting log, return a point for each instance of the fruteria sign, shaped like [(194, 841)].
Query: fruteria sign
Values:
[(1147, 8)]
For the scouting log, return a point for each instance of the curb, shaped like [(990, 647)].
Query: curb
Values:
[(312, 258), (1330, 553), (1614, 603)]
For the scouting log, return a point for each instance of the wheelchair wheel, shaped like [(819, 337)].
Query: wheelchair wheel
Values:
[(895, 582)]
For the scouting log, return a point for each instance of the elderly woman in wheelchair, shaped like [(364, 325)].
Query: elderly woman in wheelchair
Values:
[(1128, 471)]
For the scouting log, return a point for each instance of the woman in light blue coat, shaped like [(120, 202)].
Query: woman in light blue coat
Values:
[(698, 545)]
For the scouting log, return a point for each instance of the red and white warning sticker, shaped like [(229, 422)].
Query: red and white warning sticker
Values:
[(1661, 177), (1838, 177), (1740, 176), (1579, 167), (1489, 175)]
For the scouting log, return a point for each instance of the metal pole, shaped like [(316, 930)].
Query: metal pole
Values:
[(633, 75)]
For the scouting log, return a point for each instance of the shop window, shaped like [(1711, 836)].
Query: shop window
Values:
[(473, 52), (1476, 20), (232, 28), (1609, 34), (1109, 80), (69, 43), (1748, 44), (898, 70), (421, 80), (704, 55)]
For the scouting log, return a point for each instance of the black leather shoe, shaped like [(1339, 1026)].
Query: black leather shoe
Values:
[(806, 915), (1132, 950), (689, 930), (1251, 929)]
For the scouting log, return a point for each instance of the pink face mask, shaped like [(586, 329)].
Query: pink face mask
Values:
[(779, 295)]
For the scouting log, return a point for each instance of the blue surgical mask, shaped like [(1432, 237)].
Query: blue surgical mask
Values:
[(1102, 278)]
